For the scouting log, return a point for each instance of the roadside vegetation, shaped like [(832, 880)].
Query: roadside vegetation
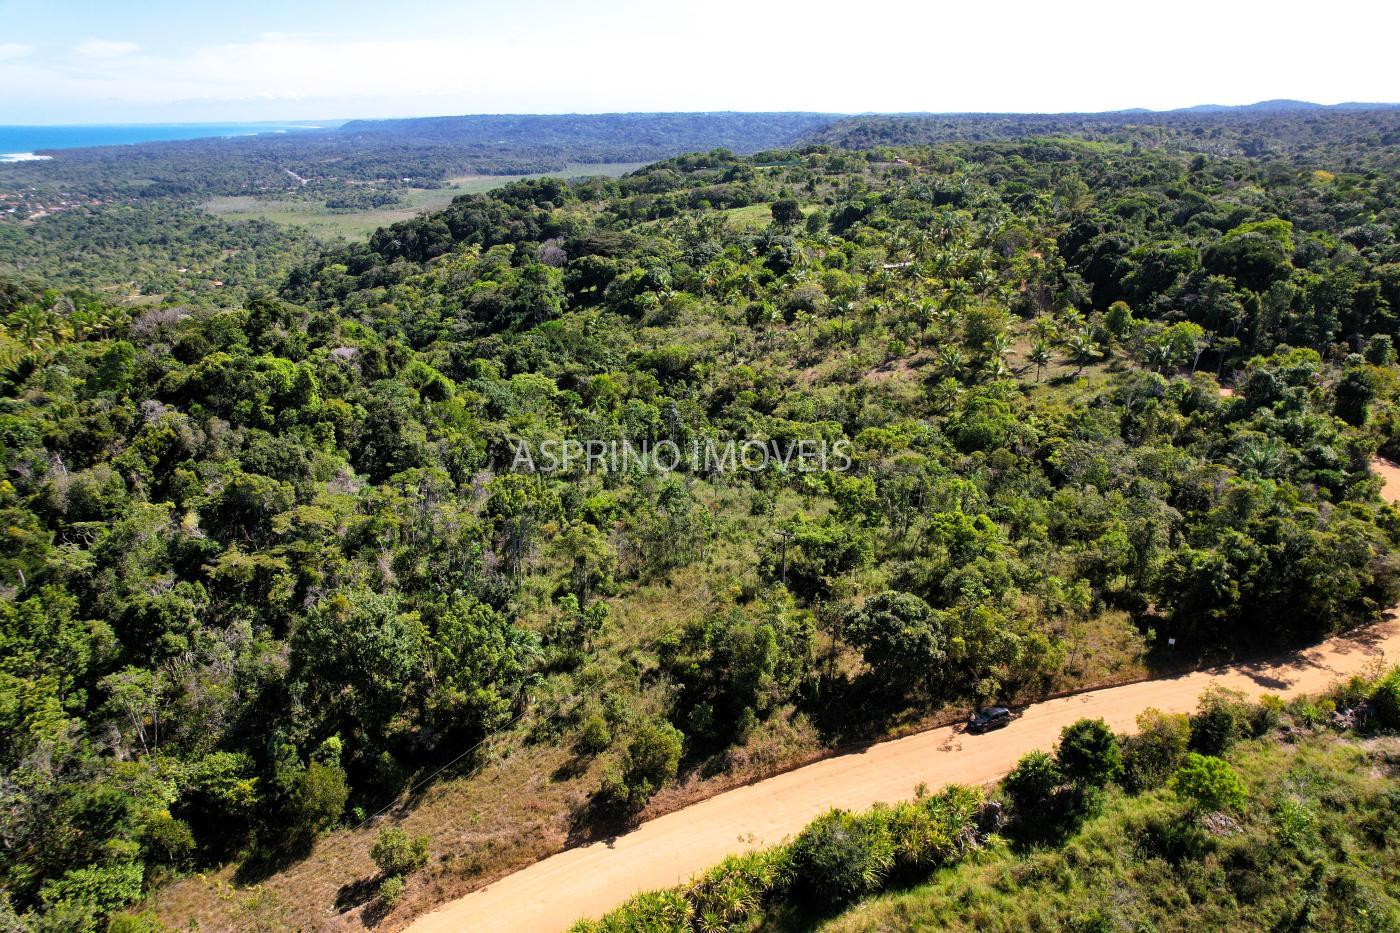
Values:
[(1244, 816), (274, 578)]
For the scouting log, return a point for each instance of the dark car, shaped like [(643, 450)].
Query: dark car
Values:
[(993, 717)]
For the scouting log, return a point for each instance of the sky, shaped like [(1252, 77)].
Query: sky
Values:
[(115, 61)]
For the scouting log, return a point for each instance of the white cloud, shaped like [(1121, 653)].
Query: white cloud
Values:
[(12, 50), (556, 57), (105, 48)]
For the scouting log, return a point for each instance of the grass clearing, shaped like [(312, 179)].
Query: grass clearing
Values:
[(756, 216), (327, 224)]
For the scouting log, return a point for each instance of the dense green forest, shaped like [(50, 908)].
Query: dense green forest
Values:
[(1295, 827), (152, 250), (270, 557), (1258, 131), (390, 153)]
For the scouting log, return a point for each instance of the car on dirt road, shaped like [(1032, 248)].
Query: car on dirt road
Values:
[(993, 717)]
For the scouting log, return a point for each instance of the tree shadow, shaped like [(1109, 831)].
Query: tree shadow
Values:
[(599, 820), (846, 711), (375, 913), (355, 893), (267, 860), (576, 765)]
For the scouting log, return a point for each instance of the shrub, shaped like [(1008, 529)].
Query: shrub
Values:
[(1172, 839), (1267, 714), (395, 853), (167, 839), (1385, 696), (390, 890), (840, 857), (1209, 783), (1089, 754), (1223, 719), (1034, 780), (651, 761), (594, 734), (1309, 711), (735, 889), (1044, 803), (102, 888), (1351, 692), (1296, 824), (1152, 755), (652, 912), (317, 798), (931, 831)]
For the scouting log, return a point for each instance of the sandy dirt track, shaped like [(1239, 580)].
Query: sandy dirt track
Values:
[(588, 881)]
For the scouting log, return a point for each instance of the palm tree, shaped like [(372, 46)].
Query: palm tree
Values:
[(923, 316), (1159, 356), (1073, 318), (1040, 356), (1000, 346), (951, 360), (1044, 327), (1262, 457), (1083, 350), (995, 368)]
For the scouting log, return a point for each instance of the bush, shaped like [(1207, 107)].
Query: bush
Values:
[(1295, 824), (594, 733), (1044, 804), (1172, 839), (317, 799), (841, 857), (931, 831), (652, 912), (651, 761), (736, 888), (102, 888), (390, 890), (1208, 784), (1267, 714), (1089, 754), (1223, 719), (1351, 692), (1385, 696), (167, 839), (1034, 780), (1152, 755), (395, 853)]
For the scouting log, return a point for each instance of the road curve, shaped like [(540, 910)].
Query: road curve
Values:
[(588, 881)]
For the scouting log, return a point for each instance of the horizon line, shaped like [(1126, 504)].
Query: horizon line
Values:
[(1285, 104)]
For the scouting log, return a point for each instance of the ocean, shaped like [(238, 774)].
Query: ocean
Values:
[(17, 142)]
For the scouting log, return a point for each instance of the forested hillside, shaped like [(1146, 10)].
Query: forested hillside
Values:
[(272, 558), (603, 137), (385, 152), (1293, 134)]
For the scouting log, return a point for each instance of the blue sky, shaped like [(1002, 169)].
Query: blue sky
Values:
[(64, 61)]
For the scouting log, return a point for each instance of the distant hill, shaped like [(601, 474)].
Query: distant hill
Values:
[(620, 137), (1281, 105), (1254, 129)]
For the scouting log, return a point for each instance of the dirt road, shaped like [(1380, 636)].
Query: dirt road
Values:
[(1389, 471), (588, 881)]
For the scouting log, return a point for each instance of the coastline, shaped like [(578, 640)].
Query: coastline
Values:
[(24, 143)]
